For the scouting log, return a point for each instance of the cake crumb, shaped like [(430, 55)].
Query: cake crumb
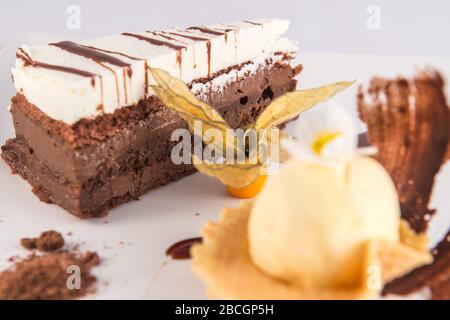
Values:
[(29, 243), (48, 241)]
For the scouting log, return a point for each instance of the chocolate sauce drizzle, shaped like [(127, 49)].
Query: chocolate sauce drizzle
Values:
[(21, 54), (158, 42), (208, 31), (188, 36), (145, 78), (114, 52), (89, 52), (179, 52), (101, 58), (154, 41), (208, 48), (182, 249), (253, 23), (208, 52), (233, 27), (165, 36)]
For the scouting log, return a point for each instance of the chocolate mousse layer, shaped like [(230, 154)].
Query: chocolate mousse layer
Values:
[(95, 164)]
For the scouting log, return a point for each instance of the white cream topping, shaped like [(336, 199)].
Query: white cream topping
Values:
[(70, 97)]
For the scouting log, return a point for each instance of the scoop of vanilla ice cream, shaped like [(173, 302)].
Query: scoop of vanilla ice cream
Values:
[(309, 224)]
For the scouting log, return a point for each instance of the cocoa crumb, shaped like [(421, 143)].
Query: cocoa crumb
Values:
[(48, 276), (48, 241), (29, 243)]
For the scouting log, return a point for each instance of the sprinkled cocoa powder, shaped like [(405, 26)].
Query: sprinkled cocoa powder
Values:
[(49, 276), (54, 275)]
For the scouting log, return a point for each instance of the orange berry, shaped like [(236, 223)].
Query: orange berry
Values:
[(249, 191)]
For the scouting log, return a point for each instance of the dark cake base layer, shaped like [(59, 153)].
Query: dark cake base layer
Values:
[(91, 166)]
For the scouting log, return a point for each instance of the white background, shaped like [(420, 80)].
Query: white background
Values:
[(415, 27)]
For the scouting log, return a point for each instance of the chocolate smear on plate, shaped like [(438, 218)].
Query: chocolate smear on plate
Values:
[(408, 120), (182, 249)]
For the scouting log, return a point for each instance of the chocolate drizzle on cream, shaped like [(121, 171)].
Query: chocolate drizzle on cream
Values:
[(114, 52), (101, 106), (146, 79), (188, 36), (208, 31), (208, 49), (155, 42), (253, 23), (208, 52), (89, 52), (21, 54), (158, 42), (101, 58), (165, 36)]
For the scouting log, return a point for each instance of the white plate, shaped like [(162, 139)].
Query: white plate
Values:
[(132, 243)]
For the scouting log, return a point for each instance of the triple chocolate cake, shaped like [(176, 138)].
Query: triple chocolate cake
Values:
[(89, 133)]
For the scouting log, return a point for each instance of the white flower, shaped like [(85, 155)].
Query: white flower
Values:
[(325, 136)]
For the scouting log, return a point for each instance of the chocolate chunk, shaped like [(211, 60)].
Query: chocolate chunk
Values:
[(48, 241), (29, 243)]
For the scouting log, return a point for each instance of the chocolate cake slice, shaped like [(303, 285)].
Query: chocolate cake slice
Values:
[(89, 133)]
